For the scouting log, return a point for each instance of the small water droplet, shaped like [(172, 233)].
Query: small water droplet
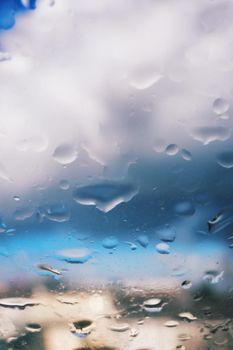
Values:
[(220, 105), (110, 242), (186, 155), (133, 332), (220, 221), (65, 154), (153, 305), (172, 149), (48, 268), (143, 240), (81, 328), (119, 327), (171, 323), (186, 284), (64, 185), (74, 256), (225, 159), (33, 327), (162, 248), (188, 316), (16, 198), (167, 233)]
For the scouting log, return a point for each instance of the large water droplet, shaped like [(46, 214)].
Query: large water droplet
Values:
[(65, 154), (106, 195), (220, 105), (207, 134), (225, 159), (110, 242)]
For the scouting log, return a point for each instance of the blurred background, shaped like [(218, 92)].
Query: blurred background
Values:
[(116, 174)]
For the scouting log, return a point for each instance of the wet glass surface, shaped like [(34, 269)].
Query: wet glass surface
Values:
[(116, 211)]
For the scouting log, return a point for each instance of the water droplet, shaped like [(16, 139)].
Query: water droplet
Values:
[(181, 347), (220, 105), (186, 155), (172, 149), (184, 336), (70, 300), (56, 212), (162, 248), (220, 221), (64, 185), (188, 316), (225, 159), (186, 284), (23, 213), (133, 332), (20, 303), (110, 242), (65, 154), (132, 245), (119, 327), (207, 134), (167, 233), (143, 240), (184, 208), (74, 256), (33, 327), (213, 276), (16, 198), (153, 305), (171, 323), (48, 268), (81, 328), (106, 195)]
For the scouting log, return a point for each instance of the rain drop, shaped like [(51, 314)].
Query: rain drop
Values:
[(172, 149), (65, 154), (220, 105), (225, 159), (162, 248), (110, 242)]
